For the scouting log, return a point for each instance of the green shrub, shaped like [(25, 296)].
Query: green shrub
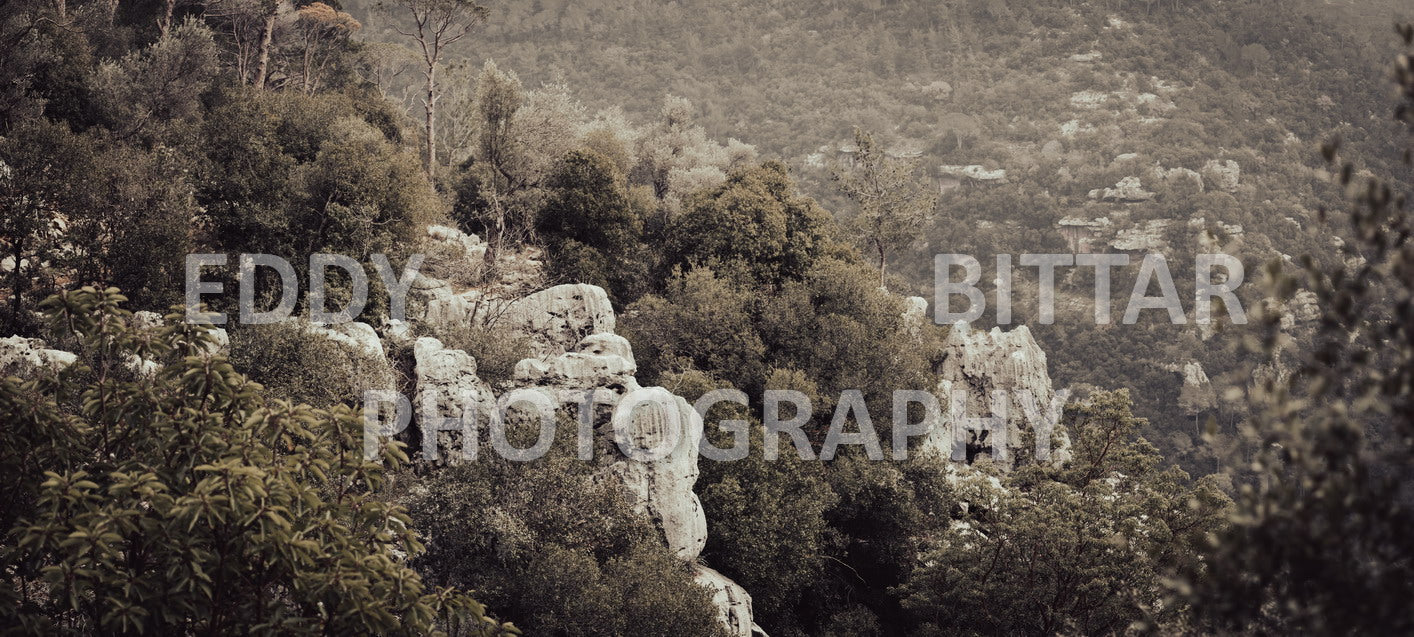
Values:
[(188, 502)]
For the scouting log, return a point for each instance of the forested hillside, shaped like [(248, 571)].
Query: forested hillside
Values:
[(1065, 98), (694, 199)]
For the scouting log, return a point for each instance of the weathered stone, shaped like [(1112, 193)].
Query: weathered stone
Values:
[(557, 319), (600, 360), (662, 488), (915, 313), (472, 246), (732, 601), (1147, 237), (1197, 394), (27, 357), (1223, 175), (354, 335), (993, 370), (446, 378), (1128, 190)]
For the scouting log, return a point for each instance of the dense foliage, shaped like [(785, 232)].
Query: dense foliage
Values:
[(156, 486), (176, 500)]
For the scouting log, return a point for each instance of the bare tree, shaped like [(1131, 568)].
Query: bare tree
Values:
[(269, 10), (251, 27), (436, 24)]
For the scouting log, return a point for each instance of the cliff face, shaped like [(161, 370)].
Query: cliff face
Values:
[(997, 396)]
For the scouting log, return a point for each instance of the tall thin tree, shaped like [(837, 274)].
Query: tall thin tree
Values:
[(894, 199), (435, 25)]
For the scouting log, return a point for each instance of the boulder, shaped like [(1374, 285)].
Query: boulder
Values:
[(915, 313), (1223, 175), (662, 488), (1197, 394), (28, 357), (454, 254), (358, 337), (1127, 190), (600, 360), (446, 378), (557, 319)]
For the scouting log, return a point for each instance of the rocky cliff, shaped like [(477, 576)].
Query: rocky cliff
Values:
[(997, 396)]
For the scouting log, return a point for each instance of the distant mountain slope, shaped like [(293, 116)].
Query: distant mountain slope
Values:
[(1068, 98)]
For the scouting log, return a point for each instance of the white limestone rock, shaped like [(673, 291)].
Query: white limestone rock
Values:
[(28, 357), (354, 335), (915, 313), (600, 360), (557, 319), (471, 245), (1197, 394), (445, 308), (662, 489), (454, 254), (732, 601), (1127, 190), (993, 369), (446, 378), (1223, 175)]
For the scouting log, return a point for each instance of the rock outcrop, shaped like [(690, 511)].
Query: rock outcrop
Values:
[(1223, 175), (447, 379), (915, 313), (998, 375), (1197, 394), (557, 319), (662, 489), (733, 604), (1127, 190), (649, 447), (600, 360), (554, 320), (26, 357)]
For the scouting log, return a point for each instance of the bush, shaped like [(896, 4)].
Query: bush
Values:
[(184, 502), (553, 547)]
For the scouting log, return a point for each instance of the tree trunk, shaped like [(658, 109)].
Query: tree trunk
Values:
[(165, 23), (430, 109), (17, 281), (304, 75), (262, 62), (882, 263)]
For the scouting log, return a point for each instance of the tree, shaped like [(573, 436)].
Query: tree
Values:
[(1320, 539), (251, 24), (894, 202), (151, 93), (521, 138), (593, 228), (1080, 549), (437, 24), (319, 27), (182, 502), (755, 227), (556, 548), (36, 164)]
